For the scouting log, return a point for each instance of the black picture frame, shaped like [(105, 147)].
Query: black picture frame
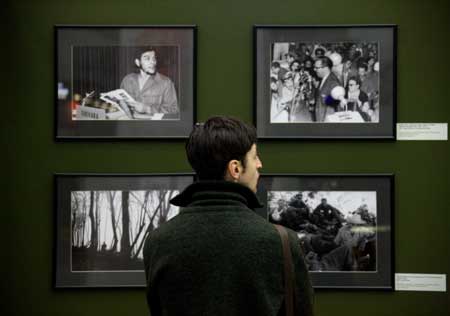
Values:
[(92, 62), (288, 117), (110, 263), (365, 264)]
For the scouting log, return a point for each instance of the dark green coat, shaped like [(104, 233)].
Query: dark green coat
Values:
[(218, 257)]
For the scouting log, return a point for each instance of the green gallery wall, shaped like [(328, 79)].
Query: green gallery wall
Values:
[(224, 86)]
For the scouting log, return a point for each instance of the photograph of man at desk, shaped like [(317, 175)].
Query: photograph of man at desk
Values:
[(146, 92)]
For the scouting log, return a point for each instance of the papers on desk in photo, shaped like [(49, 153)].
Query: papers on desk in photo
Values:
[(115, 96)]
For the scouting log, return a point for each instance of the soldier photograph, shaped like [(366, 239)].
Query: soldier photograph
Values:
[(336, 229)]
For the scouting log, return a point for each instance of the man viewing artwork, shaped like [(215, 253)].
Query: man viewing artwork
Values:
[(219, 257)]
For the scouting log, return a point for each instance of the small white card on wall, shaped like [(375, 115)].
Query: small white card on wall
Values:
[(422, 131), (420, 282)]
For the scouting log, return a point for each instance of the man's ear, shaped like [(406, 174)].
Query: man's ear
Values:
[(233, 170), (137, 63)]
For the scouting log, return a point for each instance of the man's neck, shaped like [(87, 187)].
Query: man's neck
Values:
[(143, 77)]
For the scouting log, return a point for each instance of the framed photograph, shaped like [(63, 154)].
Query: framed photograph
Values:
[(329, 82), (102, 222), (344, 225), (125, 81)]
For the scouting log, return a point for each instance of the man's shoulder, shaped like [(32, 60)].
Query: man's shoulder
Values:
[(131, 77), (165, 228), (247, 222), (330, 82), (163, 78), (333, 79)]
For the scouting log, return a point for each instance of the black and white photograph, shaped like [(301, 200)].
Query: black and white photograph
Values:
[(109, 227), (102, 222), (336, 229), (125, 81), (343, 222), (325, 81)]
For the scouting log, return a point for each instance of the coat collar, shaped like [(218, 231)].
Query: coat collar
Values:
[(202, 191)]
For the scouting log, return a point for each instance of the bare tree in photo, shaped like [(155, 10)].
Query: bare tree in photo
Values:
[(165, 197), (109, 228), (111, 196), (84, 218), (160, 214), (125, 246), (79, 205), (140, 225), (151, 217), (93, 219), (75, 206)]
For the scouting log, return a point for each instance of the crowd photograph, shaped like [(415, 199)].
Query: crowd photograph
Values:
[(337, 230), (324, 82)]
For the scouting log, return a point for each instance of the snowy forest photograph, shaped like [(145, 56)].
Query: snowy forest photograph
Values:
[(102, 222), (109, 228)]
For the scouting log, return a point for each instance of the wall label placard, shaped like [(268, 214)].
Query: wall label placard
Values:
[(422, 131), (420, 282)]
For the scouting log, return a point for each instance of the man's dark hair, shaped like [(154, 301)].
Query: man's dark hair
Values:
[(363, 65), (355, 79), (296, 61), (308, 59), (325, 61), (292, 54), (141, 50), (319, 49), (215, 143), (275, 64)]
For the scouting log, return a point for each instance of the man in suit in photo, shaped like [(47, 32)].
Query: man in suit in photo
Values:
[(325, 104)]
